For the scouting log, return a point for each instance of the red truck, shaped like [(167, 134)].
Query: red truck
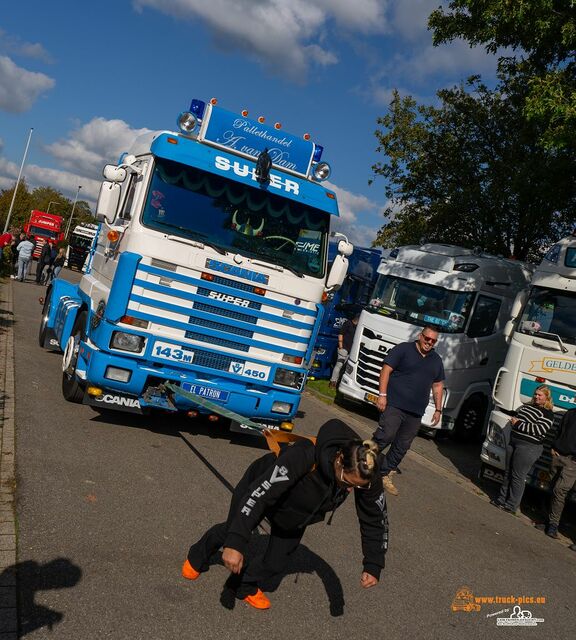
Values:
[(43, 227)]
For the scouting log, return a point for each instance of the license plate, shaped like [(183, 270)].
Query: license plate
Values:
[(371, 397), (206, 392)]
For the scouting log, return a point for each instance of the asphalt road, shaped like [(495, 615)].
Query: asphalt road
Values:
[(107, 508)]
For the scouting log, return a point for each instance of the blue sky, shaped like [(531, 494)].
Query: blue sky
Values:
[(90, 76)]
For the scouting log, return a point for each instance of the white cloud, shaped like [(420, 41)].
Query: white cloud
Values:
[(13, 44), (284, 36), (352, 207), (80, 156), (409, 18), (19, 88), (87, 149)]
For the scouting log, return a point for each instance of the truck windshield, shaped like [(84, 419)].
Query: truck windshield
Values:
[(421, 304), (549, 311), (230, 216), (40, 231)]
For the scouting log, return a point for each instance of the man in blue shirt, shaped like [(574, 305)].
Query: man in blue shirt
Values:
[(409, 371)]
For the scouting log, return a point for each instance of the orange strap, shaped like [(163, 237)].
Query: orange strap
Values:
[(275, 438)]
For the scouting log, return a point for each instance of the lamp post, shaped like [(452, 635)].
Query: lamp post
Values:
[(72, 214), (18, 181), (52, 202)]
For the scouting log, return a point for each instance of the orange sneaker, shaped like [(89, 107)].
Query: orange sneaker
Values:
[(258, 600), (189, 572)]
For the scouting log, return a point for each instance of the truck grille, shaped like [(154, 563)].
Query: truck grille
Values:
[(222, 312), (368, 369)]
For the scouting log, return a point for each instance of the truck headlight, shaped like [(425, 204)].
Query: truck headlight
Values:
[(127, 342), (281, 407), (288, 378), (496, 435)]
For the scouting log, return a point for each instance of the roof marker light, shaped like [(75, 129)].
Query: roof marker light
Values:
[(306, 136), (261, 119), (277, 125), (213, 101), (244, 113)]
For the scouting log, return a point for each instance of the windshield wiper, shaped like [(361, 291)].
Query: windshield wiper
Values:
[(555, 336), (200, 243), (278, 267)]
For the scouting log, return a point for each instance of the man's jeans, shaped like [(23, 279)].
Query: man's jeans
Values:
[(23, 268), (342, 357), (398, 429)]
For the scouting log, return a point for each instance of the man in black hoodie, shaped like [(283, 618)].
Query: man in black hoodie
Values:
[(294, 490)]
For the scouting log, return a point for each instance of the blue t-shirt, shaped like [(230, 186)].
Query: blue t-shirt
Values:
[(412, 377)]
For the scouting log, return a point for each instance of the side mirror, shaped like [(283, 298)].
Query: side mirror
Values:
[(337, 272), (517, 307), (114, 173), (345, 248), (108, 202)]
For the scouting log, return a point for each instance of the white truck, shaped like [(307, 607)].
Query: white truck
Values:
[(467, 295), (79, 245), (542, 350)]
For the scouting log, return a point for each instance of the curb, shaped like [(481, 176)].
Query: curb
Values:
[(8, 611)]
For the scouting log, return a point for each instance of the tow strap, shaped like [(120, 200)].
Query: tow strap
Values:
[(213, 406)]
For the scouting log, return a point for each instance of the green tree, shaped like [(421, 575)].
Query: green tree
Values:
[(41, 198), (472, 172), (540, 36)]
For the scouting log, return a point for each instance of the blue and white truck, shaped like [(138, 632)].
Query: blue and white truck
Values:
[(344, 304), (208, 273)]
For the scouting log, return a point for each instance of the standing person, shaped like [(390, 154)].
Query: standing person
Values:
[(292, 491), (43, 260), (530, 425), (57, 265), (409, 371), (564, 463), (25, 250), (345, 340), (14, 249)]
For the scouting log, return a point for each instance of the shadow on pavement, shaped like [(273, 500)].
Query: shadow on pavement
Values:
[(32, 577)]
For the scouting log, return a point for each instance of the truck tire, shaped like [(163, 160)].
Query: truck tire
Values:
[(72, 390), (470, 420), (44, 320)]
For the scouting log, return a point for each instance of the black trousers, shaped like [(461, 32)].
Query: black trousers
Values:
[(398, 429), (281, 543)]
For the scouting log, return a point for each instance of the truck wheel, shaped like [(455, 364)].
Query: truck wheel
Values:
[(44, 320), (72, 390), (471, 418)]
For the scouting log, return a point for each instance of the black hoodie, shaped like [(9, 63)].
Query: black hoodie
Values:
[(292, 495)]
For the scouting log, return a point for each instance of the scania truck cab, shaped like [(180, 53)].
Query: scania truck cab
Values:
[(465, 294), (542, 350), (208, 273)]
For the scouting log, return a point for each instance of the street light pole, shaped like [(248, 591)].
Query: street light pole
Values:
[(52, 202), (72, 214), (18, 181)]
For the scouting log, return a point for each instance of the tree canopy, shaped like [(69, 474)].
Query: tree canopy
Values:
[(471, 172), (540, 36)]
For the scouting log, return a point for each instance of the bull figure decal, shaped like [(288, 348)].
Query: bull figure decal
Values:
[(247, 229)]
